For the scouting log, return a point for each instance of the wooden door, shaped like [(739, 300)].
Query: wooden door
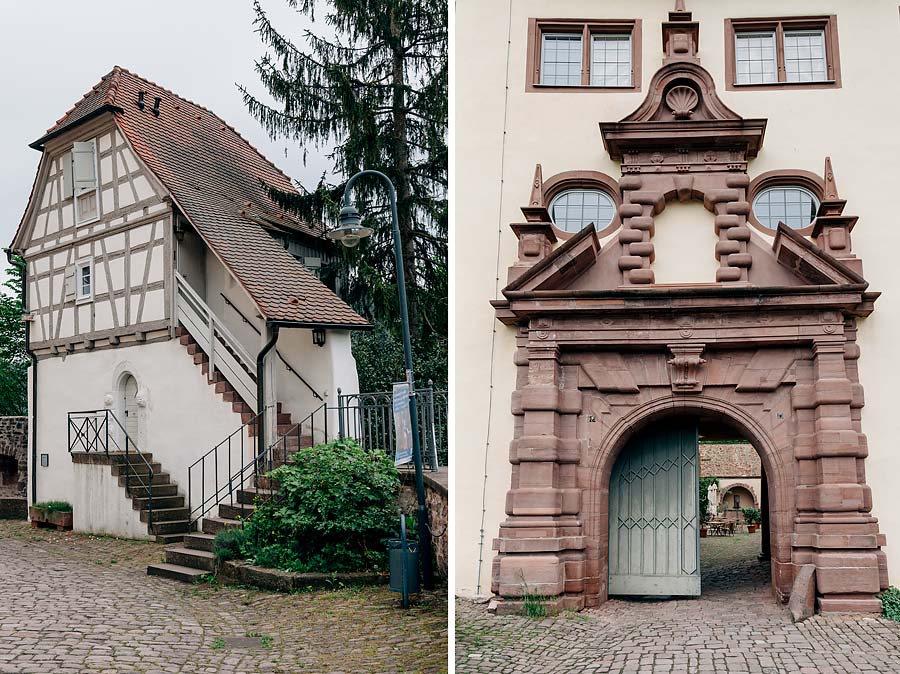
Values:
[(130, 406), (654, 537)]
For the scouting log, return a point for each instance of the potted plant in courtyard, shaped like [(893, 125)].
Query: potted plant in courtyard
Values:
[(752, 517), (703, 502), (56, 514)]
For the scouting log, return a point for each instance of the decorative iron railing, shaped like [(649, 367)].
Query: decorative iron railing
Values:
[(100, 431), (222, 463), (369, 418)]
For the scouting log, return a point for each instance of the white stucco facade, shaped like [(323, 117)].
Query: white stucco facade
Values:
[(502, 132)]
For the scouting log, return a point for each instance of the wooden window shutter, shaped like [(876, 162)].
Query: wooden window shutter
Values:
[(70, 283), (67, 185), (84, 166)]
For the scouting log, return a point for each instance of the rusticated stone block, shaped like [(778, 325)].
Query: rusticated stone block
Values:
[(839, 498), (534, 501), (628, 262), (802, 604), (726, 274), (641, 276), (847, 572), (630, 236), (713, 197), (741, 233), (531, 574), (743, 260), (630, 210), (833, 391), (850, 604), (727, 248), (630, 182), (738, 180), (644, 249), (737, 208), (540, 397), (643, 223)]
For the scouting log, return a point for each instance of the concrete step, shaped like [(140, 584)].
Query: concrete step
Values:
[(213, 525), (223, 387), (268, 483), (242, 408), (166, 514), (235, 512), (158, 478), (176, 572), (200, 358), (192, 347), (195, 559), (250, 495), (136, 467), (199, 541), (157, 490), (141, 503), (169, 539), (171, 527), (119, 457)]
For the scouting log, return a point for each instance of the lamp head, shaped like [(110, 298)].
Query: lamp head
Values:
[(350, 231)]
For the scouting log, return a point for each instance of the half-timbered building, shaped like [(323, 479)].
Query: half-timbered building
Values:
[(173, 309)]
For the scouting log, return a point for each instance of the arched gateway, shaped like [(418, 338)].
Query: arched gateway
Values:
[(769, 349)]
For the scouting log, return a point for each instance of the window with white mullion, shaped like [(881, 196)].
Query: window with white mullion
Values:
[(561, 58), (804, 56), (610, 60), (755, 59)]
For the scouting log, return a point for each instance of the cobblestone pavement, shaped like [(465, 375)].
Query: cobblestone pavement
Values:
[(72, 603), (735, 626)]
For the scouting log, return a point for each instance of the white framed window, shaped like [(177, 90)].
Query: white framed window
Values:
[(561, 55), (755, 58), (804, 56), (85, 182), (611, 59), (573, 210), (793, 205), (84, 280)]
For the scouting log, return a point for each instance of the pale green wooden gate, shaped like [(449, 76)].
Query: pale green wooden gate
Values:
[(654, 545)]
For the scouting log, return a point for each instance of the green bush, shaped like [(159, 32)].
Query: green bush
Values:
[(54, 506), (336, 505), (751, 515), (228, 544), (890, 603)]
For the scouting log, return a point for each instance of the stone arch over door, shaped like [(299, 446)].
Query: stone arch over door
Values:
[(672, 407), (127, 382)]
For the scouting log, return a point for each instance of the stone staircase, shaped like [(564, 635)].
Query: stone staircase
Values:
[(171, 520)]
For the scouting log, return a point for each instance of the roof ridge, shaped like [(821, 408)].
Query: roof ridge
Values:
[(203, 107)]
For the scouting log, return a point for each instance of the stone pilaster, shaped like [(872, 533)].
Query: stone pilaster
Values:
[(541, 545), (834, 529)]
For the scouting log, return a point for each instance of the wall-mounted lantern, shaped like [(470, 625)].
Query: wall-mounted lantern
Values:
[(319, 336)]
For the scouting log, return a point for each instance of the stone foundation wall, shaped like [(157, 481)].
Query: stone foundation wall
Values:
[(14, 444), (437, 502), (729, 460)]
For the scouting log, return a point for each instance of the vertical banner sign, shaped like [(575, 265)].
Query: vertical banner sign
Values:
[(402, 425)]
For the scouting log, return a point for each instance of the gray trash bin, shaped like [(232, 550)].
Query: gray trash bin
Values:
[(395, 548)]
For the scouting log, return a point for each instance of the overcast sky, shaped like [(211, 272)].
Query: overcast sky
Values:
[(52, 53)]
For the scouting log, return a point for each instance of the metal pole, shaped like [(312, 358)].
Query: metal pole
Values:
[(424, 531), (404, 573)]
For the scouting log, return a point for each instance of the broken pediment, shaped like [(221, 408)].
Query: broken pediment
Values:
[(683, 113), (809, 262), (559, 268)]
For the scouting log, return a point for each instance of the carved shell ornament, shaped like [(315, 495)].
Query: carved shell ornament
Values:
[(682, 100)]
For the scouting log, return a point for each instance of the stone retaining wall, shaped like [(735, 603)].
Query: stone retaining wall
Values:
[(14, 444), (437, 502)]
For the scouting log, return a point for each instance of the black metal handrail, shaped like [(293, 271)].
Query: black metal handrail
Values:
[(220, 456), (287, 365), (92, 434)]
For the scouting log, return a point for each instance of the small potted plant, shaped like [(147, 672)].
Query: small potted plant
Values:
[(57, 514), (752, 517)]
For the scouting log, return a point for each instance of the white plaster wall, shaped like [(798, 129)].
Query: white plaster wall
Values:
[(100, 505), (502, 132), (183, 418)]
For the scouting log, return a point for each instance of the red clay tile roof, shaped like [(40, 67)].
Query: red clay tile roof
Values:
[(215, 177)]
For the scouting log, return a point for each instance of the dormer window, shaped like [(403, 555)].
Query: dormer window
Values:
[(573, 210), (793, 205)]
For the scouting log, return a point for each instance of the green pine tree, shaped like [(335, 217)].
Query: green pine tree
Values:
[(13, 359), (374, 89)]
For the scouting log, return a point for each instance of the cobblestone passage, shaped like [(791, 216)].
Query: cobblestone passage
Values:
[(71, 603), (735, 626)]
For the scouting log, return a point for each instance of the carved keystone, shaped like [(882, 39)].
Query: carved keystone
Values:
[(686, 367)]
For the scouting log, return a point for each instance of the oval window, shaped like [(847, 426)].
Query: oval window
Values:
[(794, 206), (573, 210)]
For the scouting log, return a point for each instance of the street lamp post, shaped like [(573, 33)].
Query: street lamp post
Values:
[(349, 234)]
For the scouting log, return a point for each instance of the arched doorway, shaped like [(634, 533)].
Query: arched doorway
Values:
[(128, 391), (666, 424)]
